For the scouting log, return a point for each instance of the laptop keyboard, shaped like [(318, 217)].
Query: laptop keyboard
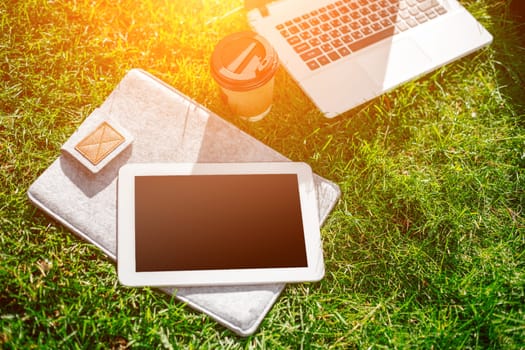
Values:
[(334, 31)]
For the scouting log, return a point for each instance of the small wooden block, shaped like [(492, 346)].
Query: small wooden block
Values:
[(100, 143)]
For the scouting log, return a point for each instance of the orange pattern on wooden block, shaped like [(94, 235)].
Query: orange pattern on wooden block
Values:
[(100, 143)]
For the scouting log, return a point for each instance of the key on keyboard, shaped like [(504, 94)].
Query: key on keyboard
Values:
[(334, 31)]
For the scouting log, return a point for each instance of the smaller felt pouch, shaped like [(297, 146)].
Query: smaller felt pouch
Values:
[(97, 141)]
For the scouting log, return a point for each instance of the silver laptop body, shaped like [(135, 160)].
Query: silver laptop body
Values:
[(344, 70)]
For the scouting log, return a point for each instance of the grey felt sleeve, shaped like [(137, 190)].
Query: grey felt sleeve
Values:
[(166, 126)]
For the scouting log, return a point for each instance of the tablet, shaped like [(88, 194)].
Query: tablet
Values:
[(196, 224)]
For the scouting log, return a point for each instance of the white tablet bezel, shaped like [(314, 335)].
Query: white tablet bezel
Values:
[(126, 262)]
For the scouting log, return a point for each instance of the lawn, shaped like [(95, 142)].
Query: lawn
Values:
[(425, 248)]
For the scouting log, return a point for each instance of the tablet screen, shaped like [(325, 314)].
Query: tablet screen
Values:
[(208, 222)]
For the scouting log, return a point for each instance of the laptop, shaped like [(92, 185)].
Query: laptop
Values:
[(344, 53)]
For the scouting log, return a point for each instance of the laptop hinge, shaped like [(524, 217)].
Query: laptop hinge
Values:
[(258, 4)]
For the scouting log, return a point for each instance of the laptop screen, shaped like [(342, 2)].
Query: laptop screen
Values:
[(251, 4)]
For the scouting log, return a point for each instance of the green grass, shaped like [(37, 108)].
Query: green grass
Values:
[(425, 249)]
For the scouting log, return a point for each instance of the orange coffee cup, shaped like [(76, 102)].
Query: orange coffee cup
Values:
[(244, 66)]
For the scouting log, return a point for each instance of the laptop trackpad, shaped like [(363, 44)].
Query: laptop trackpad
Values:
[(339, 89), (393, 63)]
